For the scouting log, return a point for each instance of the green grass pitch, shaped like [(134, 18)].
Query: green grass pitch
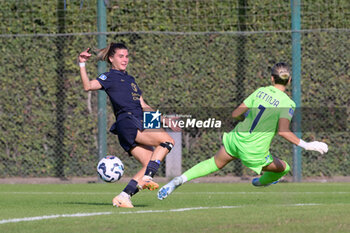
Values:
[(194, 207)]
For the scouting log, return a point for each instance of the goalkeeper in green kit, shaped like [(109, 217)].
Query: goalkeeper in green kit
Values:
[(268, 111)]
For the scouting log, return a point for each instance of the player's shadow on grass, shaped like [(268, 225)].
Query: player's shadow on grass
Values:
[(87, 203), (141, 206), (95, 203)]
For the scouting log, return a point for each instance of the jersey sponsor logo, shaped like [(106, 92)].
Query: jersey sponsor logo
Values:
[(135, 96), (151, 120), (134, 87), (102, 77), (291, 112)]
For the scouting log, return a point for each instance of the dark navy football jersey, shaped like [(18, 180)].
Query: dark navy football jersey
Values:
[(123, 92)]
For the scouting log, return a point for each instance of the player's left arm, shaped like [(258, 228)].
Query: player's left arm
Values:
[(284, 131), (238, 113)]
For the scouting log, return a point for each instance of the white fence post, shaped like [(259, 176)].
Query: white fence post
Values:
[(173, 161)]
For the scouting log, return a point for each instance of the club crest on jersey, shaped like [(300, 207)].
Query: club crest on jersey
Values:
[(102, 77)]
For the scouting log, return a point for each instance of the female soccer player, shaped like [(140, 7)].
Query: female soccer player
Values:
[(269, 110), (128, 106)]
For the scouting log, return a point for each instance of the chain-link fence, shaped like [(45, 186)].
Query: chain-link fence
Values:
[(194, 56)]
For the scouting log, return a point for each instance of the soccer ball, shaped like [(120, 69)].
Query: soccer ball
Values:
[(110, 168)]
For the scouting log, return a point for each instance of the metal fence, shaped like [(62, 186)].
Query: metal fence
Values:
[(49, 124)]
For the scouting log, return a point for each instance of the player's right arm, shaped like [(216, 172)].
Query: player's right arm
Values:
[(241, 111), (87, 84), (284, 131), (238, 113)]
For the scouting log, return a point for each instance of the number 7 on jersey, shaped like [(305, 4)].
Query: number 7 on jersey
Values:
[(257, 118)]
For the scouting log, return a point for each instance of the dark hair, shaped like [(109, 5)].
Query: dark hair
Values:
[(109, 51), (280, 73)]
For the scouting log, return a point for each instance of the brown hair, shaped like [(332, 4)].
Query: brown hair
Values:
[(281, 73), (109, 51)]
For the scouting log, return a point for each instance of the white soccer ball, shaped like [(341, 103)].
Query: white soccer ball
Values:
[(110, 168)]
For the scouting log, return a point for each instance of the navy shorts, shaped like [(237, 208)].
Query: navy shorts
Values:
[(126, 128)]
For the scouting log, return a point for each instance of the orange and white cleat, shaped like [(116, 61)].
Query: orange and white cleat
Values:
[(147, 183), (123, 200)]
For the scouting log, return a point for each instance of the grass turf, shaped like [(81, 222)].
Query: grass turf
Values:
[(213, 207)]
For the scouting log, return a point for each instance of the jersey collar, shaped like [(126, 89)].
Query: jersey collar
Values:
[(118, 71)]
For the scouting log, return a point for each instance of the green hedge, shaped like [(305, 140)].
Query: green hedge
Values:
[(49, 124)]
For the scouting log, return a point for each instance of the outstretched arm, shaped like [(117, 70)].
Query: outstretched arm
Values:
[(87, 84), (284, 131)]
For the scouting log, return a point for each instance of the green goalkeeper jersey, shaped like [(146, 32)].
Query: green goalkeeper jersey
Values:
[(266, 106)]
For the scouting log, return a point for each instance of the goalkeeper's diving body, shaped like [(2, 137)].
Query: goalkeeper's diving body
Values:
[(266, 112)]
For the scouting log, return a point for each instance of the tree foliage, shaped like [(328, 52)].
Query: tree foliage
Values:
[(49, 124)]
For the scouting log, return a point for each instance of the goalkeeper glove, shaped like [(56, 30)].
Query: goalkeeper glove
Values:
[(315, 146)]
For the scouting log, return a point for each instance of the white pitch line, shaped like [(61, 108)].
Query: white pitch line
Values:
[(229, 193), (37, 218), (182, 193), (302, 204), (29, 219), (60, 193)]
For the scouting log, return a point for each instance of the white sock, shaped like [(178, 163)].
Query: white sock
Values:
[(184, 178), (124, 194), (147, 177)]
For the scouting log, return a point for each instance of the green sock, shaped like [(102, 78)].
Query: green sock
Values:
[(203, 168), (269, 177)]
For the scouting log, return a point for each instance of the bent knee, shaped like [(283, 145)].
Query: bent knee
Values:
[(166, 139), (287, 167), (170, 140), (169, 144)]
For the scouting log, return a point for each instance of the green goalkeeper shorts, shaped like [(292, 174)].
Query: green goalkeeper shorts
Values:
[(254, 162)]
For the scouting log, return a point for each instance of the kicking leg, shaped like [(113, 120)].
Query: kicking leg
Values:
[(163, 144), (143, 155)]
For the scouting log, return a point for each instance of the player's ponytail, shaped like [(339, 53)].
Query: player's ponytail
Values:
[(109, 51), (280, 73)]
